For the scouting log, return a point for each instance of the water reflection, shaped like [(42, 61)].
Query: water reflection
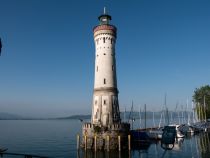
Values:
[(178, 144), (204, 146), (197, 146), (103, 154)]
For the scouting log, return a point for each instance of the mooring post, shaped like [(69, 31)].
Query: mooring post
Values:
[(107, 138), (119, 154), (119, 143), (129, 142), (78, 154), (95, 142), (78, 141), (95, 154), (85, 142)]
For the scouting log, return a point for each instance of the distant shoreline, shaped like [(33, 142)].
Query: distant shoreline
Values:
[(73, 117), (125, 115)]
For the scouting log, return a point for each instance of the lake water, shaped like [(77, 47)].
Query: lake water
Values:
[(57, 139)]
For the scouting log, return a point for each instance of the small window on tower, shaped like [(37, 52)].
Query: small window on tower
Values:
[(104, 39), (104, 81), (112, 67), (104, 101), (95, 101), (97, 69), (111, 40)]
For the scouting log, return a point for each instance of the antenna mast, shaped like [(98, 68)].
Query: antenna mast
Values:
[(104, 10)]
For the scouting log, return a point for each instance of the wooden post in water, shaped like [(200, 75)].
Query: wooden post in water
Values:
[(119, 154), (85, 142), (119, 143), (95, 142), (129, 142), (78, 141), (107, 138)]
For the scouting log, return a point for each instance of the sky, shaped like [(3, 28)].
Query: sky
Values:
[(47, 62)]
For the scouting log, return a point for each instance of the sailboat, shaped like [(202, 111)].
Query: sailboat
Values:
[(139, 137), (191, 127), (176, 126), (155, 133)]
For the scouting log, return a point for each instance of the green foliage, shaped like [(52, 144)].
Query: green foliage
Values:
[(97, 129), (202, 99)]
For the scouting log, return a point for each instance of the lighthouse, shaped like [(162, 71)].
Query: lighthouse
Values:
[(105, 106), (105, 126)]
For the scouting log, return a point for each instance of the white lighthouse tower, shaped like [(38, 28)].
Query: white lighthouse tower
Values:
[(105, 121), (105, 108)]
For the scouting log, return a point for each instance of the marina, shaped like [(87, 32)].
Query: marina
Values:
[(43, 139)]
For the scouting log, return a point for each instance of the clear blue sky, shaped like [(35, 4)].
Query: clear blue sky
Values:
[(47, 62)]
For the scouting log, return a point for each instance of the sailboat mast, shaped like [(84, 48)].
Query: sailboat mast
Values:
[(204, 107), (154, 120), (193, 113), (145, 116), (140, 116), (125, 114), (199, 112)]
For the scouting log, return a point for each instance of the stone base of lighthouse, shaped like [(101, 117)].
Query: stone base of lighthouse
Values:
[(105, 138)]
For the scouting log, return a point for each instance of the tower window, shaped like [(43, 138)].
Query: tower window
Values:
[(95, 101), (104, 81), (112, 67), (97, 68), (104, 39), (111, 40), (104, 101)]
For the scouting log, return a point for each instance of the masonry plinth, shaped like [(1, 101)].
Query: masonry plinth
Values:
[(90, 131), (106, 125)]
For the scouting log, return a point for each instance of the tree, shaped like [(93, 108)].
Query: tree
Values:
[(202, 99)]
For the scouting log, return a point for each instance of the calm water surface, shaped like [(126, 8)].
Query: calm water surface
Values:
[(57, 139)]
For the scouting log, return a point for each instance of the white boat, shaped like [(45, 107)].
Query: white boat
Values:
[(155, 133), (178, 132)]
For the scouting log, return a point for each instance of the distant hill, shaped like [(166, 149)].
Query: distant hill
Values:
[(76, 117), (7, 116), (124, 115)]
